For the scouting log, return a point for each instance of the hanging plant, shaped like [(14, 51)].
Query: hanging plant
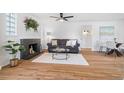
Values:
[(31, 23)]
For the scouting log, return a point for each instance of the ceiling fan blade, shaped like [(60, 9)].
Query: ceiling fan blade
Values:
[(65, 19), (54, 17), (61, 15), (57, 19), (68, 16)]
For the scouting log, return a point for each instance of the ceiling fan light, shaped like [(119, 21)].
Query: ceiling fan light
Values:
[(61, 20)]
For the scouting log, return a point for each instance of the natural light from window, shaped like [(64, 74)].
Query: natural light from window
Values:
[(11, 24)]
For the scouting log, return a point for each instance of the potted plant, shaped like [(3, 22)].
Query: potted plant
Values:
[(31, 23), (13, 49)]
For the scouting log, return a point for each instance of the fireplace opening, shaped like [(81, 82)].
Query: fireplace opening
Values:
[(33, 48)]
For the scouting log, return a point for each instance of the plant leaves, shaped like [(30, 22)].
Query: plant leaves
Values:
[(31, 23), (7, 46), (9, 41), (14, 51), (14, 47), (16, 44), (22, 48)]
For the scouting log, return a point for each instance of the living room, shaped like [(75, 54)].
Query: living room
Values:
[(68, 46), (84, 32)]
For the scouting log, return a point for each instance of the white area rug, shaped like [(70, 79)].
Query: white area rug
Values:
[(74, 59)]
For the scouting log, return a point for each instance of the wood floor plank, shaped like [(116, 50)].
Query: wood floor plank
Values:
[(101, 68)]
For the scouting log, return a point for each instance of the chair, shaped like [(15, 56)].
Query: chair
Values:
[(109, 46), (121, 48), (112, 48), (102, 46)]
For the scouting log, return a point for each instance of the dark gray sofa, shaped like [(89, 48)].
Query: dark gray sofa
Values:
[(61, 43)]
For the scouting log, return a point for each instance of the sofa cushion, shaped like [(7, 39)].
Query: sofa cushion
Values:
[(62, 43), (68, 43), (73, 43), (54, 42)]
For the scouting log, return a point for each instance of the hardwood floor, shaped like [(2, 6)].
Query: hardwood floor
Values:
[(101, 68)]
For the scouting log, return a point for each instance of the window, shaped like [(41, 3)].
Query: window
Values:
[(11, 24), (106, 33)]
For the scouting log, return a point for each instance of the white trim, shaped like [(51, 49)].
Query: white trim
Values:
[(0, 67)]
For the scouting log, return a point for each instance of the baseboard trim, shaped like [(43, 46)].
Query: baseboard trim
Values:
[(45, 50), (0, 67), (88, 49)]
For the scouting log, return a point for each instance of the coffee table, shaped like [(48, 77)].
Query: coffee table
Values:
[(60, 53)]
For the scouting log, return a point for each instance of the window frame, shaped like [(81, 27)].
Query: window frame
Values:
[(110, 26)]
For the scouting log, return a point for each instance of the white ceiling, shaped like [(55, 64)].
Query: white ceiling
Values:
[(85, 16)]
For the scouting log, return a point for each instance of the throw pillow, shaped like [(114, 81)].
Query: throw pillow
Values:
[(54, 42), (73, 43), (68, 43)]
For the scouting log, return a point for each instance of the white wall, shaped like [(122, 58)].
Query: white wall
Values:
[(119, 27), (72, 30), (4, 56), (3, 38), (86, 37), (21, 33), (120, 31), (68, 30), (63, 30)]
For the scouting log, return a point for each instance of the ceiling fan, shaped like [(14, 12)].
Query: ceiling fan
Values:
[(62, 18)]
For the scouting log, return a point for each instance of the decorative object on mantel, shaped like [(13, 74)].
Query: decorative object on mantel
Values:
[(14, 48), (31, 24), (31, 51)]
